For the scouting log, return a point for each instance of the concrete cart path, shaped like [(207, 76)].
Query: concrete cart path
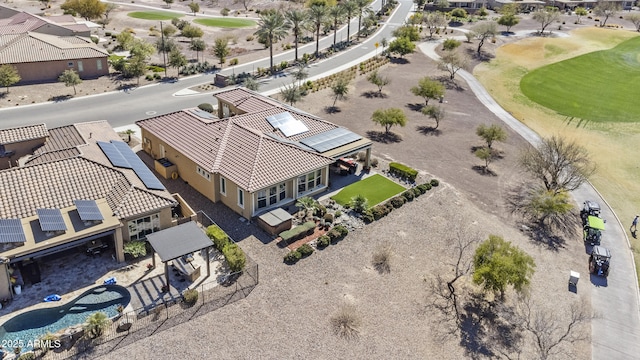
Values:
[(615, 332)]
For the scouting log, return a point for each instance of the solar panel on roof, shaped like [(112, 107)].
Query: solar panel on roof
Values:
[(51, 220), (331, 139), (11, 231), (138, 166), (88, 210), (114, 155), (286, 123)]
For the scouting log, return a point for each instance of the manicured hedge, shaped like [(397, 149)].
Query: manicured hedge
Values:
[(403, 171), (298, 231), (305, 250), (233, 254), (292, 257), (219, 237)]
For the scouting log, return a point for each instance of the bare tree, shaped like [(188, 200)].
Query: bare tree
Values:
[(545, 17), (244, 3), (452, 62), (606, 9), (559, 163), (484, 31)]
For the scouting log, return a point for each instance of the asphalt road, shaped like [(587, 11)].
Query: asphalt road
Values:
[(122, 108)]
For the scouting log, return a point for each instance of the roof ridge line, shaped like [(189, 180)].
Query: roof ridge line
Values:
[(223, 146)]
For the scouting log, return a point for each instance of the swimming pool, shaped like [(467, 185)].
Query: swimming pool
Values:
[(31, 325)]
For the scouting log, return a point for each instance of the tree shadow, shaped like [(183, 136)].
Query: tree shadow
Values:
[(60, 98), (477, 314), (332, 109), (3, 94), (449, 83), (495, 153), (373, 94), (399, 61), (428, 130), (579, 123), (415, 106), (483, 170), (599, 281), (542, 235), (480, 56), (383, 137)]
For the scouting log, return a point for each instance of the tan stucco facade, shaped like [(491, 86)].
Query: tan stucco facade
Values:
[(20, 149), (51, 70)]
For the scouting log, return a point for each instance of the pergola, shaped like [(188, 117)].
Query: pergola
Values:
[(177, 241)]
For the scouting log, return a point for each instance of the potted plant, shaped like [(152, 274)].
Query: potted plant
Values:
[(149, 267)]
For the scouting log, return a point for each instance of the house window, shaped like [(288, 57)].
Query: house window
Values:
[(272, 195), (309, 181), (140, 228), (205, 174), (223, 186), (262, 199), (99, 64), (283, 191), (80, 66), (241, 198), (70, 64)]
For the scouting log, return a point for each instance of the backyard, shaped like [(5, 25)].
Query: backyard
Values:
[(375, 189)]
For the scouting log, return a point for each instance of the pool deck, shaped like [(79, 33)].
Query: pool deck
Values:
[(74, 273)]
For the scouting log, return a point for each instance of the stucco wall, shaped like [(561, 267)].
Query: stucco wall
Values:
[(50, 71), (21, 149)]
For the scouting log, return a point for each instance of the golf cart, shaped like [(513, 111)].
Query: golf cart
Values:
[(599, 261), (590, 208), (592, 230)]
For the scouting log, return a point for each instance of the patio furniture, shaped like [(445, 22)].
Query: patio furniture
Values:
[(187, 269)]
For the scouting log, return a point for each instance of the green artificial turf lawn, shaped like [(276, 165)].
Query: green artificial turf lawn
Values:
[(375, 188), (225, 23), (598, 86), (154, 15)]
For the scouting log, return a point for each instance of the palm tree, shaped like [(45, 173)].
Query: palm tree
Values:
[(197, 45), (96, 323), (273, 28), (317, 14), (361, 6), (350, 8), (295, 19), (291, 93), (336, 13), (307, 203)]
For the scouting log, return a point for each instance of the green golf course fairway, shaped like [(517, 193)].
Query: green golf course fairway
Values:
[(154, 15), (598, 86), (375, 188), (225, 23)]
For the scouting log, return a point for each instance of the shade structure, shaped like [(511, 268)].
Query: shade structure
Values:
[(179, 240)]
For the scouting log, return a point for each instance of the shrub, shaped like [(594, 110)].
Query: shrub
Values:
[(292, 257), (424, 187), (96, 323), (378, 212), (338, 213), (408, 195), (358, 203), (381, 259), (346, 322), (206, 107), (234, 256), (389, 206), (190, 296), (328, 218), (320, 211), (434, 182), (403, 171), (250, 38), (374, 162), (135, 248), (416, 191), (343, 231), (367, 216), (398, 201), (27, 356), (298, 231), (333, 235), (305, 250), (225, 12), (219, 237), (323, 241)]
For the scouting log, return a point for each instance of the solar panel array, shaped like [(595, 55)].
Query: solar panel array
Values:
[(138, 166), (51, 220), (114, 155), (331, 139), (286, 123), (11, 231), (88, 210)]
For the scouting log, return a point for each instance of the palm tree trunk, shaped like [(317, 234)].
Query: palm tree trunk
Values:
[(335, 33), (296, 42), (359, 24), (317, 40), (348, 28), (271, 55)]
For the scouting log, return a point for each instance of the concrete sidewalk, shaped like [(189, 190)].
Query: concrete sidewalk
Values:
[(615, 332)]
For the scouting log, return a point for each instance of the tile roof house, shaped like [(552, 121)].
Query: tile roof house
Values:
[(258, 154), (18, 22), (43, 57), (70, 165)]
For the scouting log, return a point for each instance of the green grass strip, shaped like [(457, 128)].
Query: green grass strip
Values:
[(600, 86), (225, 22), (376, 189), (154, 15)]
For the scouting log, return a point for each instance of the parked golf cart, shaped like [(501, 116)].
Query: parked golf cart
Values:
[(592, 230), (599, 261), (589, 208)]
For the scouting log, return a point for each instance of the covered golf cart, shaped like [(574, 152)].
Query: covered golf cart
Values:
[(593, 230), (599, 261), (589, 208)]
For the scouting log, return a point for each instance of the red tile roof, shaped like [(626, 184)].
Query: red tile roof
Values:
[(23, 133), (34, 47)]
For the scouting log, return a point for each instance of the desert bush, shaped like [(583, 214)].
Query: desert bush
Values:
[(218, 236), (190, 296), (250, 38), (403, 171), (343, 231), (320, 211), (27, 356), (323, 241), (398, 201), (135, 248), (292, 257), (408, 195), (416, 191), (378, 212), (333, 235), (298, 231), (305, 250), (367, 216), (234, 256), (96, 324), (225, 12), (374, 162), (382, 258), (338, 213), (328, 218), (424, 187), (346, 322), (434, 182)]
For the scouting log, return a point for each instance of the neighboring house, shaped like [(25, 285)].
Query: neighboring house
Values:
[(18, 142), (18, 22), (41, 57), (69, 193), (258, 154), (587, 4), (525, 5)]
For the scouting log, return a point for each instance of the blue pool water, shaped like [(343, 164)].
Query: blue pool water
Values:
[(31, 325)]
